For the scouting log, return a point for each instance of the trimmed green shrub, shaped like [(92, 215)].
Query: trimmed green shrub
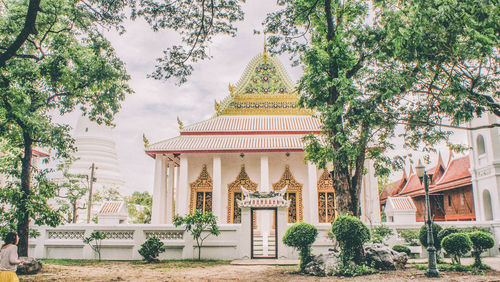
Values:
[(447, 231), (300, 236), (422, 235), (457, 245), (151, 249), (351, 234), (380, 233), (481, 241), (410, 236), (402, 249)]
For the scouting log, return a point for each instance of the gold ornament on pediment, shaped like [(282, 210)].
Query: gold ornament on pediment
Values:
[(217, 107), (145, 140), (201, 192), (293, 194), (231, 89), (234, 192)]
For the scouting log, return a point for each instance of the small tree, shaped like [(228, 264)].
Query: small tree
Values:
[(300, 236), (198, 223), (402, 249), (410, 236), (351, 234), (95, 241), (447, 231), (481, 241), (381, 233), (151, 249), (457, 245), (436, 228)]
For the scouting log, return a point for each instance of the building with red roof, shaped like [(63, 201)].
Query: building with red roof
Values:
[(450, 190)]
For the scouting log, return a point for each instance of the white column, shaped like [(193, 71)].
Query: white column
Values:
[(217, 189), (312, 183), (182, 204), (170, 195), (264, 174), (158, 190)]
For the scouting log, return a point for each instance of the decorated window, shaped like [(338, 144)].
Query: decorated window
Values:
[(326, 198), (234, 193), (293, 193), (201, 192)]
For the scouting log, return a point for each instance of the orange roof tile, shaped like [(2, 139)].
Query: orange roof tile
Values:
[(456, 175)]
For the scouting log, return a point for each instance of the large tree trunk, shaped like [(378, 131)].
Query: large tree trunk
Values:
[(24, 214)]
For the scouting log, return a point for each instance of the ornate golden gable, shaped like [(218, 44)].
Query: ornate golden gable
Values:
[(203, 186), (235, 188), (294, 190)]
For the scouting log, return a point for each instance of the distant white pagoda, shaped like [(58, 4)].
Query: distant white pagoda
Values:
[(95, 144)]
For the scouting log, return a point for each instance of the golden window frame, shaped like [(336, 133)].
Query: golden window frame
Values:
[(203, 183), (234, 187), (325, 185), (293, 187)]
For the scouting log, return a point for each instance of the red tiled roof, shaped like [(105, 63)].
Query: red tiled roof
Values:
[(401, 203), (412, 186), (110, 207), (456, 175)]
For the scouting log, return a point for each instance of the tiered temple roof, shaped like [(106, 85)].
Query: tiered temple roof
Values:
[(261, 113)]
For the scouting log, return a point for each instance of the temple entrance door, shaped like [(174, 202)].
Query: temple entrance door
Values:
[(264, 233)]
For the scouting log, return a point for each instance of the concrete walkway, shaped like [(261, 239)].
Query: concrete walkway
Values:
[(493, 262)]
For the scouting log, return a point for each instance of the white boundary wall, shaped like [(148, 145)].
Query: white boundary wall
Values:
[(124, 241)]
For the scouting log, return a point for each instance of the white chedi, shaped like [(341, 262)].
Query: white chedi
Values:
[(95, 144)]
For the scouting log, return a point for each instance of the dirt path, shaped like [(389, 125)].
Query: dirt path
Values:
[(126, 271)]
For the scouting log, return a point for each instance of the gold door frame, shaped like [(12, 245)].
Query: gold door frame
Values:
[(234, 187), (325, 185), (203, 183), (293, 187)]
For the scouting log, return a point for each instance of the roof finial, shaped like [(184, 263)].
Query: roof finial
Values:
[(264, 54)]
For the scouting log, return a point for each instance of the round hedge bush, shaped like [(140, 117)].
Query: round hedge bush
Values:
[(301, 235), (402, 249), (422, 235), (351, 234), (481, 241), (447, 231), (457, 245)]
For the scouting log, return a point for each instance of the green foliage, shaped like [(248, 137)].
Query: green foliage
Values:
[(380, 233), (200, 225), (422, 235), (447, 231), (454, 267), (476, 228), (139, 207), (95, 242), (402, 249), (481, 241), (457, 245), (351, 234), (301, 236), (107, 194), (73, 188), (353, 270), (416, 67), (410, 236), (151, 249)]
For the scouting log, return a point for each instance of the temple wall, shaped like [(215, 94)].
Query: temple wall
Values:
[(124, 241)]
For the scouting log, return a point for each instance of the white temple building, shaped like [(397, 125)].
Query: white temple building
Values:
[(254, 141)]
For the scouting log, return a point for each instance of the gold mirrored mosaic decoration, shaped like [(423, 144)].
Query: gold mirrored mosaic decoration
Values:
[(326, 198), (234, 192), (201, 192), (293, 193)]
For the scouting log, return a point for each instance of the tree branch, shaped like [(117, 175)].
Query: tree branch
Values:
[(29, 28)]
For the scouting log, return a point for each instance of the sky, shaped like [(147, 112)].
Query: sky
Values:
[(155, 106)]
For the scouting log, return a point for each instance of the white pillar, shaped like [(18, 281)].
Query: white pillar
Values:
[(264, 174), (217, 189), (182, 204), (169, 207), (312, 194), (158, 190)]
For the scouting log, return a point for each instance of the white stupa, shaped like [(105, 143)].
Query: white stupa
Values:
[(95, 144)]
